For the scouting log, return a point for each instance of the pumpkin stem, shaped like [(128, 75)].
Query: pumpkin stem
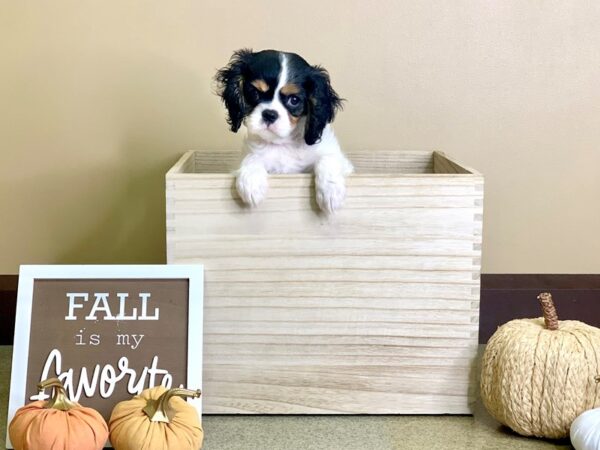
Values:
[(549, 311), (158, 410), (59, 398)]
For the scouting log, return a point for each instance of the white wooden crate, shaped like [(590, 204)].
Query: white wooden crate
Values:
[(373, 310)]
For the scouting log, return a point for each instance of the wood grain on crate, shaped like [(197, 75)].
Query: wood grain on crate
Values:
[(373, 310)]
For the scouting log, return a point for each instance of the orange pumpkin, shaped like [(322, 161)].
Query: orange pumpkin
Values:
[(58, 424), (157, 419)]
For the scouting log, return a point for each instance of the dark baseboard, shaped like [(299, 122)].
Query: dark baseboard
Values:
[(503, 297), (8, 307), (507, 297)]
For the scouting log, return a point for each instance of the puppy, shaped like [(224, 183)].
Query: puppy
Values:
[(286, 106)]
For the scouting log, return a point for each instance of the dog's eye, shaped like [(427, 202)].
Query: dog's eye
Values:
[(254, 95), (293, 100)]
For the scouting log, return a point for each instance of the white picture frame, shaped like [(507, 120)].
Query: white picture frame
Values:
[(28, 274)]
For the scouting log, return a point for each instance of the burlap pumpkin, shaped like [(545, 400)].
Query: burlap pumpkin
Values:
[(157, 419), (58, 424), (539, 374)]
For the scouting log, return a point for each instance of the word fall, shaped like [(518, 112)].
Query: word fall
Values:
[(101, 305)]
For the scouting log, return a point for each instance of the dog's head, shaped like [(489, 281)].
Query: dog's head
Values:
[(277, 95)]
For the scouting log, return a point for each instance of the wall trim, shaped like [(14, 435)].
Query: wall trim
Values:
[(8, 303), (503, 297), (512, 296)]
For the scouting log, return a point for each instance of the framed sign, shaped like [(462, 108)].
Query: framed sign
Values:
[(107, 332)]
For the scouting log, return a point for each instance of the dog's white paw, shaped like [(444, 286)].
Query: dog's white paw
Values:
[(331, 194), (252, 185)]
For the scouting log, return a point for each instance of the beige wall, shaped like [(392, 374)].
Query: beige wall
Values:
[(98, 99)]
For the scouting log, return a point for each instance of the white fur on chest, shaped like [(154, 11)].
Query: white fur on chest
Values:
[(290, 155)]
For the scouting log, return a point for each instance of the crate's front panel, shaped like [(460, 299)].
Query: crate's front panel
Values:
[(374, 310)]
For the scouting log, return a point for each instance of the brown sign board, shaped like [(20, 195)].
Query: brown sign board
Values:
[(107, 332)]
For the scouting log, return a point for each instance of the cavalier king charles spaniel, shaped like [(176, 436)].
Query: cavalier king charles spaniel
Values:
[(286, 105)]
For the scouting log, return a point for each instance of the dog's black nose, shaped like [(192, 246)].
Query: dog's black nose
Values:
[(270, 116)]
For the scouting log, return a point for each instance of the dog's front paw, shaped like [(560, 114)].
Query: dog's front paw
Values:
[(252, 185), (331, 194)]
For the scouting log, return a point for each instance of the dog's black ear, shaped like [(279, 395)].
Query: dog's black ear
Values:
[(230, 86), (323, 102)]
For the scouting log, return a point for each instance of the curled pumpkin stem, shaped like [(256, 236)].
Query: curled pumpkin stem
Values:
[(549, 311), (158, 410), (59, 399)]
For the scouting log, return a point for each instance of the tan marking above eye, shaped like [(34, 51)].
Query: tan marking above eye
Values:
[(261, 85), (290, 89)]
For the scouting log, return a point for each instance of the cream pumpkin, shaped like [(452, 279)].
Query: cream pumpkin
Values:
[(157, 419), (585, 431), (539, 374), (58, 424)]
